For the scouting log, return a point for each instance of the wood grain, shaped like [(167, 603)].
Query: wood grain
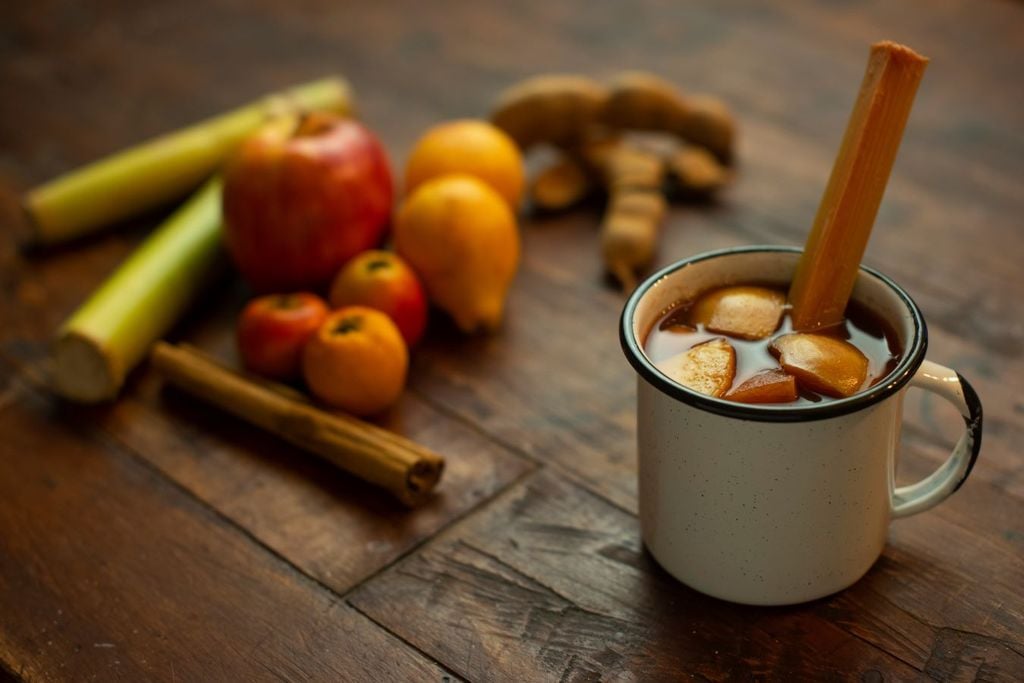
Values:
[(236, 547), (329, 524), (593, 435), (108, 572), (562, 573)]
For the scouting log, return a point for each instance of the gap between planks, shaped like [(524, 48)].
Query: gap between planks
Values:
[(554, 465), (537, 583), (32, 380), (30, 383), (35, 381)]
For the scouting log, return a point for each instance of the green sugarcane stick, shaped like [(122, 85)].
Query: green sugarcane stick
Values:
[(163, 169), (140, 302)]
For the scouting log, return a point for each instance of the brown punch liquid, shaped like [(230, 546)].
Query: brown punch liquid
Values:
[(862, 328)]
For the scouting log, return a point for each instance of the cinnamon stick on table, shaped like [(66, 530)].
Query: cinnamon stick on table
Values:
[(406, 469), (828, 268)]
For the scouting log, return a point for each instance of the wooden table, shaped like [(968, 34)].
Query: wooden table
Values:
[(157, 539)]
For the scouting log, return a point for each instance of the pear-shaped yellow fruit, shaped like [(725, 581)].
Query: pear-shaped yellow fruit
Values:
[(461, 237)]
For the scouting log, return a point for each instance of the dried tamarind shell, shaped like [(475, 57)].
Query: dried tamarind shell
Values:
[(556, 108), (638, 100), (709, 124), (697, 171), (560, 186)]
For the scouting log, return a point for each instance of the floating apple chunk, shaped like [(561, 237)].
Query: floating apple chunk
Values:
[(769, 386), (746, 312), (708, 367), (823, 364)]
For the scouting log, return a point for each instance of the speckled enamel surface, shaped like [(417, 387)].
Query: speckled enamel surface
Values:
[(775, 512), (763, 512)]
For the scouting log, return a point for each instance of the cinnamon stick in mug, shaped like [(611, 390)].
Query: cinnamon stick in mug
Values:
[(828, 268), (406, 469)]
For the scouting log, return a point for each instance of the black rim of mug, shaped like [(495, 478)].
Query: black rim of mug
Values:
[(892, 383)]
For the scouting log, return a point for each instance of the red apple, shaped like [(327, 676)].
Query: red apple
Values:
[(302, 196), (274, 328), (382, 280)]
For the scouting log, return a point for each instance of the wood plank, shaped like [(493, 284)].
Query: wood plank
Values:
[(921, 241), (333, 526), (553, 250), (955, 171), (781, 147), (944, 600), (552, 582), (505, 383), (505, 395), (108, 572), (326, 522)]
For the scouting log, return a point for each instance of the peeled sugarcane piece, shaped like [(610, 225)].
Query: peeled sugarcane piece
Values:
[(560, 186), (642, 101), (744, 311), (830, 262), (708, 368), (708, 123), (557, 109), (697, 171), (163, 169), (770, 386), (827, 365), (144, 297)]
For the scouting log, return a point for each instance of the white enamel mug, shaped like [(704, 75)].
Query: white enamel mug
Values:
[(769, 504)]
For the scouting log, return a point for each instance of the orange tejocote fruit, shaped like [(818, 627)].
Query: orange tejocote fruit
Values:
[(468, 146), (461, 237), (356, 361)]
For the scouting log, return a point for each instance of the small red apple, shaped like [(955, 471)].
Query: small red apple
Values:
[(382, 280), (302, 196), (274, 328)]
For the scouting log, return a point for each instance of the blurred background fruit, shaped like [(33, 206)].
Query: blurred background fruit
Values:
[(356, 361), (382, 280), (468, 146), (273, 329), (461, 237), (301, 197)]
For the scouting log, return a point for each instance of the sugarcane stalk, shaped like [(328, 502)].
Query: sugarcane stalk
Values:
[(149, 291), (165, 168)]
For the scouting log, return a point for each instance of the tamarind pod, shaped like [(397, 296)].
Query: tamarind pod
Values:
[(629, 233), (709, 123), (557, 108), (560, 186), (697, 171), (636, 208), (595, 154), (636, 202), (629, 167), (638, 100)]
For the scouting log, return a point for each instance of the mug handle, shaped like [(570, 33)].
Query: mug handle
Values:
[(909, 500)]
